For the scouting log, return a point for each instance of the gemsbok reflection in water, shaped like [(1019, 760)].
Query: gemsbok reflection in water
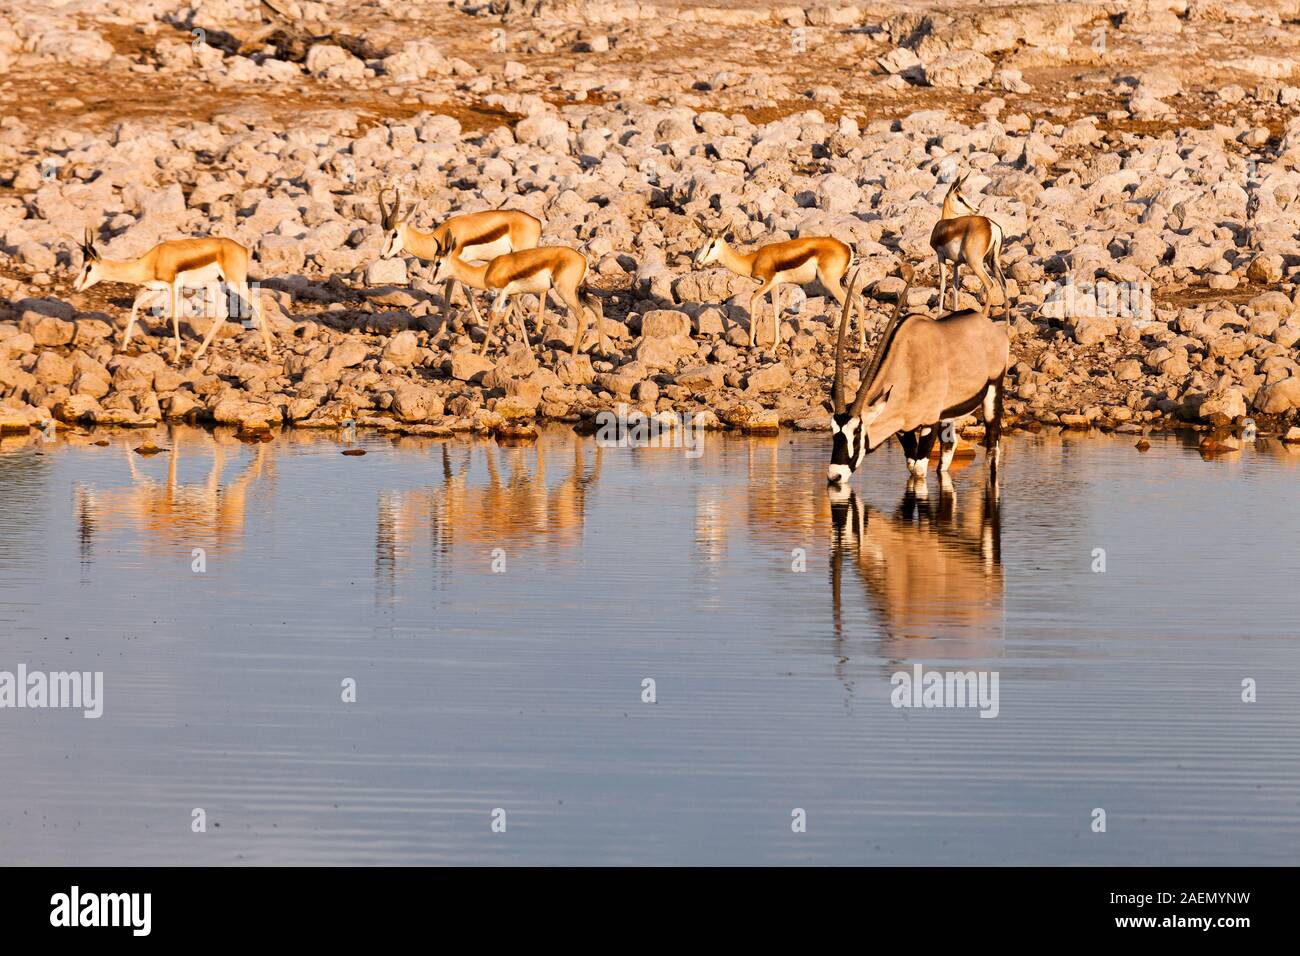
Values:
[(932, 570)]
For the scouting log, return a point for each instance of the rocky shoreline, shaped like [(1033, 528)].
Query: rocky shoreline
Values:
[(1153, 278)]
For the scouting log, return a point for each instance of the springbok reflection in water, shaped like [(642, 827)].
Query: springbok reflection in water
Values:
[(171, 514), (516, 509), (932, 570), (774, 506)]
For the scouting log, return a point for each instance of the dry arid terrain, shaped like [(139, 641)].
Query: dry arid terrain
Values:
[(1140, 158)]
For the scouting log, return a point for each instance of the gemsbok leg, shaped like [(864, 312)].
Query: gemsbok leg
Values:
[(908, 442), (924, 445), (993, 425), (947, 444)]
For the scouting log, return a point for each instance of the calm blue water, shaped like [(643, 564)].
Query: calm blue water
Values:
[(521, 689)]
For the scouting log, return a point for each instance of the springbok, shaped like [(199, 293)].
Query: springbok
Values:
[(536, 271), (170, 266), (797, 261), (168, 513), (924, 373), (520, 507), (963, 236), (474, 236)]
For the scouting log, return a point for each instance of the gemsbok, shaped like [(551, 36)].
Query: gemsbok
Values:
[(923, 374), (529, 271), (796, 261), (962, 236), (169, 267), (474, 236)]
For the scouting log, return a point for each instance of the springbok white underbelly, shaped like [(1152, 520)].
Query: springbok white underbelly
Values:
[(536, 284), (486, 251), (196, 278), (199, 291), (951, 250), (800, 275)]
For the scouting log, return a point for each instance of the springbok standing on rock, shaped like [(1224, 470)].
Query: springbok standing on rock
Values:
[(963, 236), (925, 372), (536, 271), (797, 261), (169, 267), (475, 236)]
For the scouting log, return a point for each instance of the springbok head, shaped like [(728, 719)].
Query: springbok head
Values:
[(394, 224), (849, 422), (714, 240), (441, 259), (958, 202), (91, 263)]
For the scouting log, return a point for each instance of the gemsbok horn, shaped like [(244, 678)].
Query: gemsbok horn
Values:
[(923, 374)]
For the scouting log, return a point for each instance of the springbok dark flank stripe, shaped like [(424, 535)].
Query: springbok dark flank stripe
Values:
[(490, 236), (527, 270), (794, 262), (777, 264), (165, 267), (192, 263)]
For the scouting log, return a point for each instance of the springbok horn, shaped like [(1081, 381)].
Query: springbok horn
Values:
[(90, 239), (879, 357), (837, 386)]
